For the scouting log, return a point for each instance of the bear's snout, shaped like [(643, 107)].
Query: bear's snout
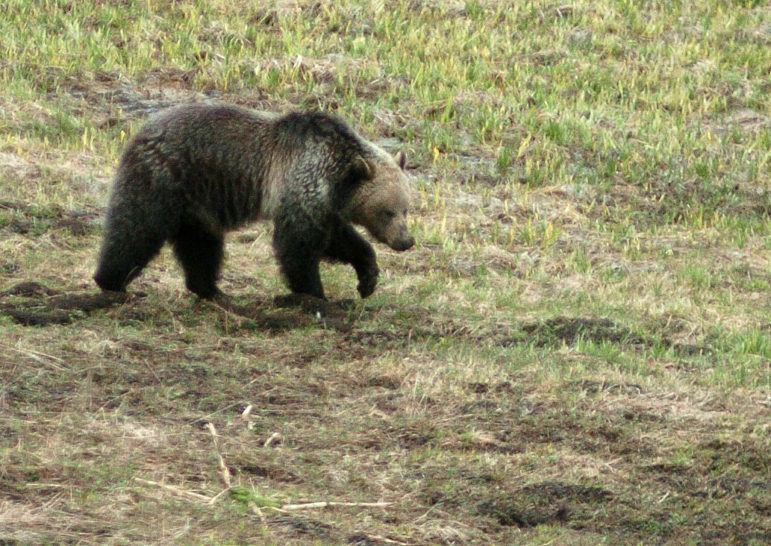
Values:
[(403, 244)]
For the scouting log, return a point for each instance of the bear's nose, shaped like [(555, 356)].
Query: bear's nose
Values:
[(405, 244)]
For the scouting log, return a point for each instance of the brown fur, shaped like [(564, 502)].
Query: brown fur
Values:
[(197, 171)]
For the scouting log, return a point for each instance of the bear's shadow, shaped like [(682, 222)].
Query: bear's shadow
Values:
[(289, 311), (34, 304)]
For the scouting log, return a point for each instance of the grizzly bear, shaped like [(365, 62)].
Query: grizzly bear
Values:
[(197, 171)]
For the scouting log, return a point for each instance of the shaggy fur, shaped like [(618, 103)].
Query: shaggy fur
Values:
[(195, 172)]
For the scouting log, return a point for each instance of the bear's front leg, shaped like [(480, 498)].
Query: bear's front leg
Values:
[(299, 250), (303, 278), (346, 245), (302, 273)]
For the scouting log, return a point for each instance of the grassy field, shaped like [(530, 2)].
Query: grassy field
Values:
[(577, 350)]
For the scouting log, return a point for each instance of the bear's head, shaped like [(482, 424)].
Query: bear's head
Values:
[(381, 201)]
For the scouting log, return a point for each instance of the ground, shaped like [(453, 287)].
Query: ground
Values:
[(576, 351)]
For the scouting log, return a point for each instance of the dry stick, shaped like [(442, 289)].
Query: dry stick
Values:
[(219, 495), (38, 357), (175, 490), (224, 472), (258, 512), (386, 540), (325, 504), (275, 437), (246, 416)]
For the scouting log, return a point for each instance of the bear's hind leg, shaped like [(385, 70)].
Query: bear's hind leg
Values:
[(129, 244), (200, 251), (140, 216)]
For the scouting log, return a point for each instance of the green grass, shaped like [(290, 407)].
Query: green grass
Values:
[(577, 350)]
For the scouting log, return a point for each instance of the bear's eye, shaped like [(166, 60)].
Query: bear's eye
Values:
[(389, 214)]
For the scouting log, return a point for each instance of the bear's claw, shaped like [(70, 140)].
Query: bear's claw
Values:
[(367, 282)]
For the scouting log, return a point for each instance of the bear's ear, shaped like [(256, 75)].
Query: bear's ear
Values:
[(361, 169), (401, 159)]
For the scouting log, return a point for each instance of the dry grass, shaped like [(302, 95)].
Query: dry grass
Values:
[(577, 351)]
